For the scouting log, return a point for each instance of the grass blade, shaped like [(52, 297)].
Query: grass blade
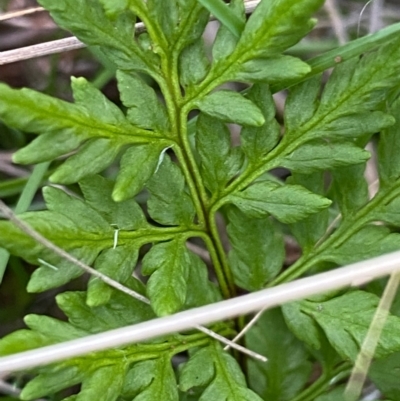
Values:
[(224, 14), (366, 354), (352, 49), (23, 204)]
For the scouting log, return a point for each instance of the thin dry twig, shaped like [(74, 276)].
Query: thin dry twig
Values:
[(12, 170), (198, 250), (373, 395), (375, 16), (42, 49), (361, 15), (9, 389), (20, 13), (350, 275), (329, 230), (336, 21), (248, 326), (27, 229), (231, 344)]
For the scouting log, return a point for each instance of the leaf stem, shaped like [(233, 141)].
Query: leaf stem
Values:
[(142, 352), (252, 172), (212, 240), (158, 234), (178, 116), (201, 201), (224, 265), (189, 170), (157, 35)]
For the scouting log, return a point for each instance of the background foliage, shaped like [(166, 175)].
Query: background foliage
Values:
[(146, 181)]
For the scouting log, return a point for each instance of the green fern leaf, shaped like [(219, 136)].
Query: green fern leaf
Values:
[(168, 265), (231, 107), (87, 20), (345, 320), (219, 373), (288, 203), (219, 162), (288, 367), (258, 251), (169, 203), (144, 108)]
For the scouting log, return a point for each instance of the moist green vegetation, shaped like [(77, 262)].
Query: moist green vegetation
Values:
[(190, 171)]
